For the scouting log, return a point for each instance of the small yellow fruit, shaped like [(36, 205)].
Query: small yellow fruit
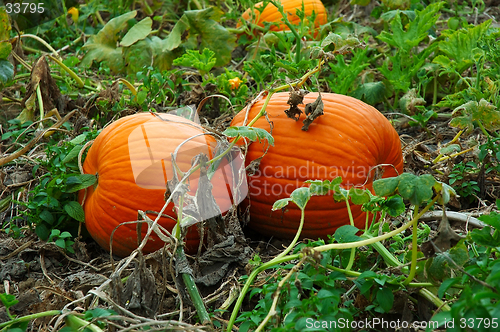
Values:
[(74, 13), (235, 83)]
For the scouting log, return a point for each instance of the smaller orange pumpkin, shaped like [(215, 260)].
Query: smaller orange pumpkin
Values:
[(132, 160), (272, 15)]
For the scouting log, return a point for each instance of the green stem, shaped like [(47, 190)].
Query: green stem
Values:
[(292, 29), (47, 45), (434, 299), (193, 291), (274, 261), (297, 235), (388, 257), (483, 129), (353, 250), (434, 97), (29, 317), (249, 281), (40, 103), (322, 248), (71, 73), (385, 236), (414, 250)]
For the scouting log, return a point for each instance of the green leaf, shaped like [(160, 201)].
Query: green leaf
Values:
[(386, 187), (359, 196), (72, 154), (204, 62), (346, 234), (249, 132), (5, 26), (75, 211), (492, 219), (446, 284), (60, 243), (484, 111), (371, 92), (5, 49), (78, 139), (80, 181), (340, 44), (385, 298), (340, 194), (319, 187), (415, 32), (460, 44), (483, 237), (47, 217), (445, 62), (416, 189), (8, 300), (162, 58), (452, 148), (281, 203), (6, 72), (42, 231), (360, 2), (446, 192), (346, 74), (394, 206), (138, 32), (102, 47), (301, 196), (200, 27)]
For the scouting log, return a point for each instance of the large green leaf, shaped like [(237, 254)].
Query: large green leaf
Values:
[(6, 71), (459, 45), (471, 111), (138, 32), (405, 38), (5, 49), (202, 32), (102, 47), (4, 24)]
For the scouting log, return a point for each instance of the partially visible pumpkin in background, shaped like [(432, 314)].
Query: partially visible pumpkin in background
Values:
[(271, 14), (348, 141), (132, 160)]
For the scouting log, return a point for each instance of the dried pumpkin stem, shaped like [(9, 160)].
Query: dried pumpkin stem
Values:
[(296, 85)]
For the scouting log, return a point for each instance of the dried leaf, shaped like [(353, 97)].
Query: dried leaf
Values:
[(313, 110)]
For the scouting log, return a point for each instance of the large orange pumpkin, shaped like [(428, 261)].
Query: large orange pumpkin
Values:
[(132, 160), (348, 140), (272, 15)]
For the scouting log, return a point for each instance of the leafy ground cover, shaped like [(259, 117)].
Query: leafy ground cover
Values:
[(433, 68)]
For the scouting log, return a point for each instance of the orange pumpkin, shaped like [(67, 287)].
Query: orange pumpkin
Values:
[(132, 160), (272, 15), (348, 140)]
